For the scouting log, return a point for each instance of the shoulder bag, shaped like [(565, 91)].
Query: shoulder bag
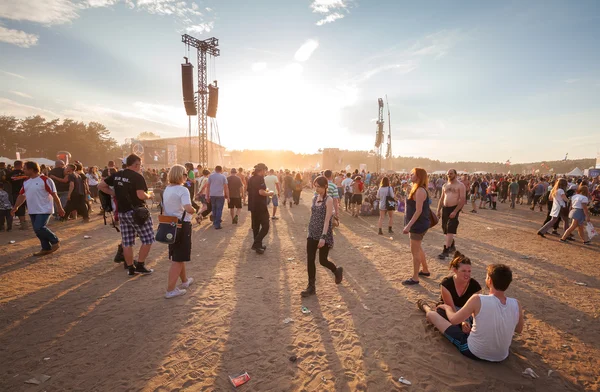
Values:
[(167, 228), (390, 201)]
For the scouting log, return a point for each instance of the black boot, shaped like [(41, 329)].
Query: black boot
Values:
[(119, 258), (444, 253), (310, 290), (380, 231), (452, 248), (390, 231)]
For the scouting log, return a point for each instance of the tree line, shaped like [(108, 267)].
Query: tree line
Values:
[(37, 137)]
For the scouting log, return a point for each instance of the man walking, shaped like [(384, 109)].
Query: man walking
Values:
[(452, 200), (257, 205), (272, 183), (131, 191), (514, 191), (332, 192), (76, 194), (235, 186), (347, 184), (40, 194), (218, 192)]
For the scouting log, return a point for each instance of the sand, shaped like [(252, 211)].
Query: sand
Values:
[(76, 317)]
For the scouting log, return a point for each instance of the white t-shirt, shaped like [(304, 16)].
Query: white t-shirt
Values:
[(92, 179), (557, 203), (347, 184), (174, 198), (38, 195), (577, 201), (271, 181)]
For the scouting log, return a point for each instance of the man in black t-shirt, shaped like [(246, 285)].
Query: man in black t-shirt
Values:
[(57, 174), (76, 195), (17, 177), (130, 190), (257, 205)]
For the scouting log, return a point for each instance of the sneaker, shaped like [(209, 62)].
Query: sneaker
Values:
[(390, 230), (541, 234), (260, 250), (444, 254), (175, 293), (235, 220), (274, 217), (55, 247), (135, 263), (339, 275), (42, 252), (131, 270), (141, 268), (186, 285)]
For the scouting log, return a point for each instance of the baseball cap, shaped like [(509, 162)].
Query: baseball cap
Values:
[(260, 166)]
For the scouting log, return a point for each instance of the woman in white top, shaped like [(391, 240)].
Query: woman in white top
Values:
[(93, 180), (559, 201), (579, 213), (176, 202), (384, 191)]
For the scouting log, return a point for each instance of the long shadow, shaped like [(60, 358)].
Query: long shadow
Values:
[(378, 329), (106, 327), (257, 337)]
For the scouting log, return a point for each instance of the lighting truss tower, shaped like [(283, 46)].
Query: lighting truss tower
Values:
[(388, 153), (379, 136), (207, 46)]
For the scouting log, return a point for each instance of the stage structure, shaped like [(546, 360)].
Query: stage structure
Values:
[(204, 48), (379, 136)]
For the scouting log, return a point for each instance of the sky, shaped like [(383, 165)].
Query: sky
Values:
[(465, 80)]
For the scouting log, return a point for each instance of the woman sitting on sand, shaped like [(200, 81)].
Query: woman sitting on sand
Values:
[(458, 288), (177, 202)]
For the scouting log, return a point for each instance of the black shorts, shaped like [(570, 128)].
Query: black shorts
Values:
[(449, 225), (181, 250), (357, 199), (235, 202), (21, 210), (455, 334)]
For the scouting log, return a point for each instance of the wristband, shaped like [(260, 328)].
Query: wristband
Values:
[(323, 236)]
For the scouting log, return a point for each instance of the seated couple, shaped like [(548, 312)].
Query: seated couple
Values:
[(495, 316)]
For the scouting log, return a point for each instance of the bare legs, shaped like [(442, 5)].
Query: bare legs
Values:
[(128, 254), (449, 239), (418, 257), (574, 226), (176, 271)]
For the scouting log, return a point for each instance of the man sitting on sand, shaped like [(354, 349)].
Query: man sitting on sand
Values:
[(495, 319)]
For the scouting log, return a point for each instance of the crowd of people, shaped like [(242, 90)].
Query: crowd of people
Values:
[(481, 326)]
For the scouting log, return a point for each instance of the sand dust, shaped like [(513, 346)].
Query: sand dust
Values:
[(77, 317)]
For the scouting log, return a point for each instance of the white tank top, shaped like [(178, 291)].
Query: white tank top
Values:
[(493, 328)]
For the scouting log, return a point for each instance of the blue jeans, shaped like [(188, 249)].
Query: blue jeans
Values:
[(217, 203), (62, 196), (46, 236)]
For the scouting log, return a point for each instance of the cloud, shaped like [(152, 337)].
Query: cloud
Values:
[(12, 108), (47, 12), (100, 3), (571, 81), (18, 37), (437, 44), (403, 68), (13, 74), (200, 28), (326, 6), (257, 67), (330, 18), (20, 94), (331, 9), (306, 50)]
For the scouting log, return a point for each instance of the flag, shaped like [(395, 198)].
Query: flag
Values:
[(566, 156)]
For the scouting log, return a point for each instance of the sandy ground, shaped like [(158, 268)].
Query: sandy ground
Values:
[(78, 318)]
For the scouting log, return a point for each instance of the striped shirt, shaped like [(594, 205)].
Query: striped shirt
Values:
[(332, 190)]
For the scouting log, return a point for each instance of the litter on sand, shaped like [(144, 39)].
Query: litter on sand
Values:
[(404, 381), (581, 284), (258, 277), (366, 307), (550, 372), (86, 237), (529, 372), (293, 358), (288, 320), (291, 258), (37, 381), (366, 247), (305, 310), (489, 228), (240, 379), (12, 242)]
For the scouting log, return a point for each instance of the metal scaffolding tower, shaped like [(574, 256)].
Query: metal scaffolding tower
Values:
[(207, 46)]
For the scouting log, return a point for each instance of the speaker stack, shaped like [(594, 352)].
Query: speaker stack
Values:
[(213, 100), (187, 83)]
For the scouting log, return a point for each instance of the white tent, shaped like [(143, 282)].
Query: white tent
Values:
[(480, 172), (439, 172), (40, 161), (577, 172)]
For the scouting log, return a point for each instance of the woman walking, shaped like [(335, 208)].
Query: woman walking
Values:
[(559, 203), (384, 191), (320, 236), (93, 179), (417, 223), (297, 188), (579, 213), (177, 202)]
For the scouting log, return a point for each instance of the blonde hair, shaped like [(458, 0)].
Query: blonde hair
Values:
[(422, 182), (177, 175)]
